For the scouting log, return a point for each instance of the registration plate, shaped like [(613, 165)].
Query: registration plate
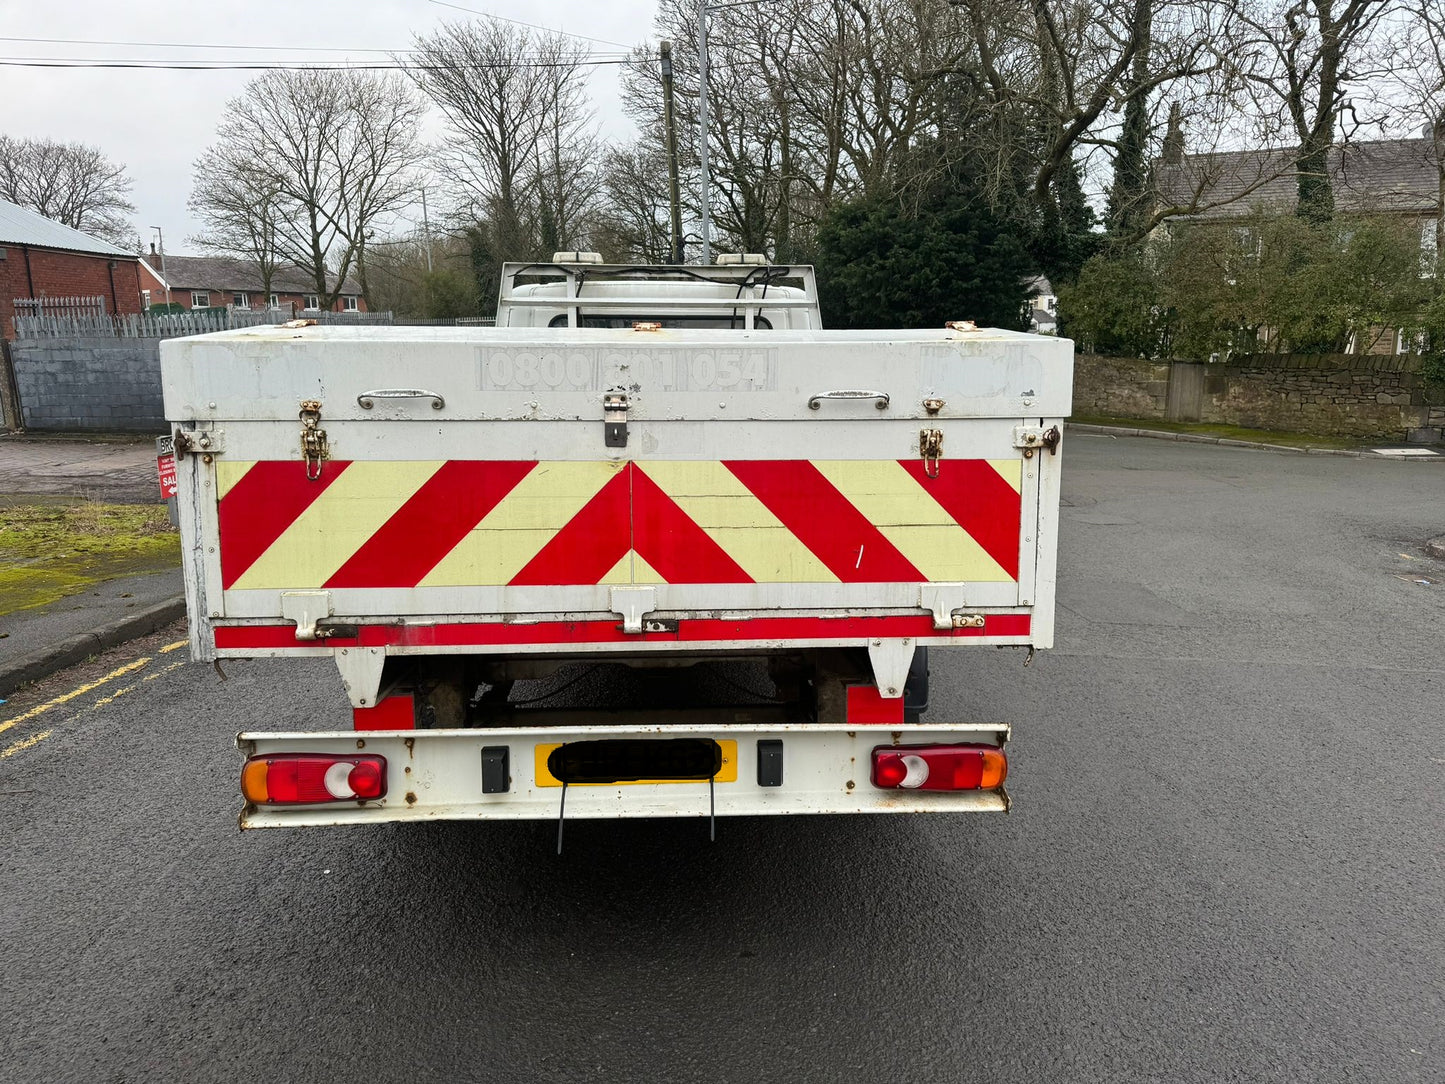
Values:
[(627, 761)]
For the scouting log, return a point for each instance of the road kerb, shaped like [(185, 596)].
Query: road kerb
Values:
[(46, 661), (1230, 442)]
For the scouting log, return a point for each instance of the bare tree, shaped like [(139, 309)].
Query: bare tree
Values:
[(334, 149), (634, 222), (241, 208), (72, 183), (1414, 89), (517, 152), (1303, 59)]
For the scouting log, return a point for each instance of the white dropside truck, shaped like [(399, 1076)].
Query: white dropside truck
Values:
[(649, 466)]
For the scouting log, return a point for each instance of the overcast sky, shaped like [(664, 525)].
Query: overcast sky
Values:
[(157, 122)]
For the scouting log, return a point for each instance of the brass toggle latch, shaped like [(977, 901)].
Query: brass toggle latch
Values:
[(930, 447), (314, 448)]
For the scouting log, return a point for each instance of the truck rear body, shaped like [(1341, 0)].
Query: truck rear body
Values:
[(492, 503)]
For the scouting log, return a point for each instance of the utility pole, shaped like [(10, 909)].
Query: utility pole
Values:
[(426, 229), (161, 237), (668, 121), (702, 127)]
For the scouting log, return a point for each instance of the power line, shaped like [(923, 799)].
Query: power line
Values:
[(198, 45), (299, 65), (534, 26)]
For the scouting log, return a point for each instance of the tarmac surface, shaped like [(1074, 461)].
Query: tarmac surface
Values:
[(1223, 862), (117, 469)]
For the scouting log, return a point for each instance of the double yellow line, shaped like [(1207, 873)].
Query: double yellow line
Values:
[(65, 698)]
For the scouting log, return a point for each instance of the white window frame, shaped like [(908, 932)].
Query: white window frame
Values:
[(311, 302), (145, 298), (275, 301), (349, 303), (240, 299), (196, 295)]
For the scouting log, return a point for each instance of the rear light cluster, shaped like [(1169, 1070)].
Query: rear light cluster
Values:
[(939, 767), (307, 778)]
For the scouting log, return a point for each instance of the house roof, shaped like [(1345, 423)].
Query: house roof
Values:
[(226, 273), (20, 226), (1387, 175), (1038, 286)]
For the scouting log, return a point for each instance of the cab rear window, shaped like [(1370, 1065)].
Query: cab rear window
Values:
[(680, 322)]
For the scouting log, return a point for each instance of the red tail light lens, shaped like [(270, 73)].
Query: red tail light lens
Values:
[(939, 767), (306, 778)]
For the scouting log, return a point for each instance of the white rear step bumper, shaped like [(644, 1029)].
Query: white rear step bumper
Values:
[(439, 774)]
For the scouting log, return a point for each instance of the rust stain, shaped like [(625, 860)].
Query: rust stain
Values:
[(410, 798)]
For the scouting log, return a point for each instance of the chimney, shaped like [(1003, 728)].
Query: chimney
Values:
[(156, 261), (1174, 138)]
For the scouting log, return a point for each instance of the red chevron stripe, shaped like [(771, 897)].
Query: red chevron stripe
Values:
[(261, 505), (980, 501), (593, 540), (429, 525), (672, 543), (825, 521)]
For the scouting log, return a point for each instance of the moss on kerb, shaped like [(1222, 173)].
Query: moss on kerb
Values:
[(49, 549)]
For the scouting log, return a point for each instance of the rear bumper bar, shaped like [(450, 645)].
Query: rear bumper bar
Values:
[(438, 774)]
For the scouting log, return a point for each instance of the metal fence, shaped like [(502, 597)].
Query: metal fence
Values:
[(80, 308), (450, 321), (81, 324)]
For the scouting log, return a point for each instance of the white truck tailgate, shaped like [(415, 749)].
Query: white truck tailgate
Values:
[(481, 490)]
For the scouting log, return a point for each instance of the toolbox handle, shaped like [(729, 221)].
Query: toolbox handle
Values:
[(882, 396), (367, 399)]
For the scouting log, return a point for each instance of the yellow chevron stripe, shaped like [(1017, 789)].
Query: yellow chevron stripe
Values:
[(714, 499), (1010, 470), (912, 520), (336, 525), (631, 568), (527, 518), (228, 474)]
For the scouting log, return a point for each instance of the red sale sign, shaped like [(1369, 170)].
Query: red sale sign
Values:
[(166, 465)]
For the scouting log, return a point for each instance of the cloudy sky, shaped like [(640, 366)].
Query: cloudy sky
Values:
[(157, 122)]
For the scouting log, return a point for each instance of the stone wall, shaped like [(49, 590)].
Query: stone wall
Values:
[(1120, 387), (89, 383), (1348, 395)]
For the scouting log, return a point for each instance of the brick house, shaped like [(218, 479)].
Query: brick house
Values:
[(40, 258), (202, 282)]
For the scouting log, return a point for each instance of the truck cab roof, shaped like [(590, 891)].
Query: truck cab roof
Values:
[(739, 296)]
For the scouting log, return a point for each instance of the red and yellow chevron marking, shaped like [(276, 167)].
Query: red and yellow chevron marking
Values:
[(489, 523)]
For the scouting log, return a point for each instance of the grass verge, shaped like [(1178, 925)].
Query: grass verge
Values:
[(1229, 432), (53, 549)]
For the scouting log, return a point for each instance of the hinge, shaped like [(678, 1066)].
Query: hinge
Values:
[(632, 602), (307, 608), (614, 419), (314, 448), (930, 447), (199, 442), (1029, 437)]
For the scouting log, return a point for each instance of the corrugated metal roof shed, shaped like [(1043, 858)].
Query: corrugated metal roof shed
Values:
[(21, 227)]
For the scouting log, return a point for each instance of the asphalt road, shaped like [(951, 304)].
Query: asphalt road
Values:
[(1224, 861)]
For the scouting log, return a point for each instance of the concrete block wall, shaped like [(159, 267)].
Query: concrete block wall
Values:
[(99, 383)]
